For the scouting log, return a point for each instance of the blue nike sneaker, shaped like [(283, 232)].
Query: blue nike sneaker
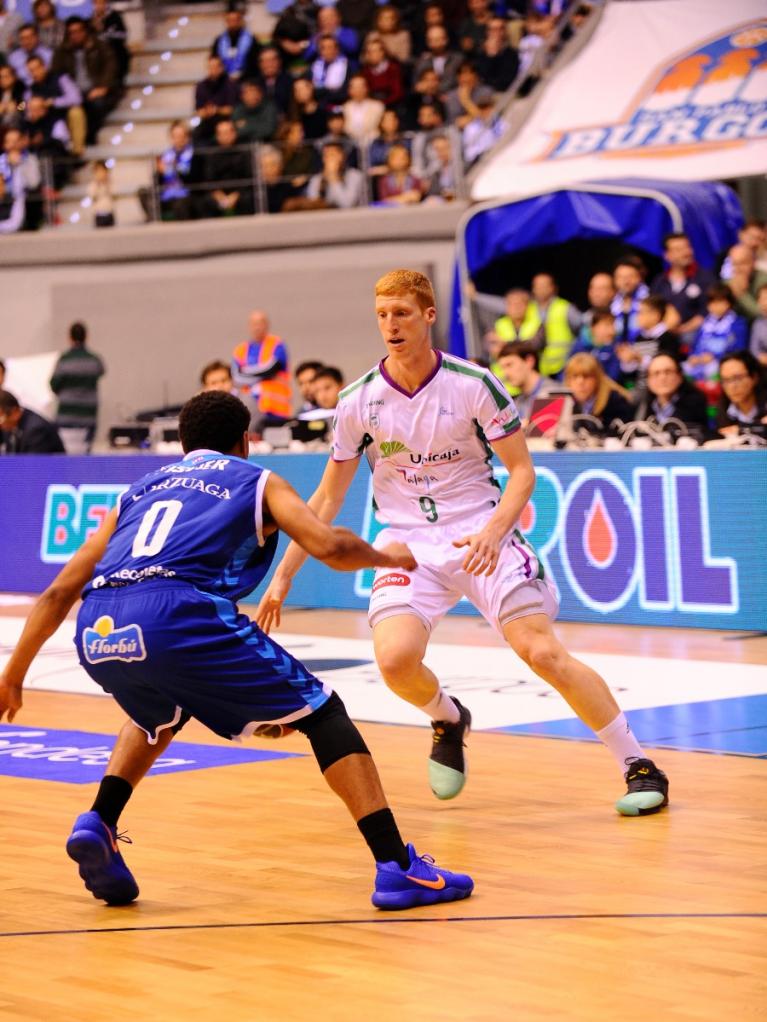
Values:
[(422, 883), (93, 846)]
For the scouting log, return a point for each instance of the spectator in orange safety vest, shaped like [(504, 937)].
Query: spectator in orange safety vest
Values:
[(261, 373)]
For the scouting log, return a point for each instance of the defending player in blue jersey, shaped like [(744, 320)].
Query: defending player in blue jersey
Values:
[(159, 629)]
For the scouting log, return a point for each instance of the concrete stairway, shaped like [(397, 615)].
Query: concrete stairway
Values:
[(159, 90)]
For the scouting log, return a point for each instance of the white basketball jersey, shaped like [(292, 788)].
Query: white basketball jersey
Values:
[(428, 451)]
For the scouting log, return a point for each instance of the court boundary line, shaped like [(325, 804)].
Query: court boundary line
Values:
[(385, 920)]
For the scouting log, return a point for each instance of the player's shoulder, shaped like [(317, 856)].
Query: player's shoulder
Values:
[(472, 375), (354, 391)]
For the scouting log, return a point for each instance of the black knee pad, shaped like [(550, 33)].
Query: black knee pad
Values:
[(332, 733)]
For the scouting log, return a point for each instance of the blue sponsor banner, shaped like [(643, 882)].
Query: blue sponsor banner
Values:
[(64, 8), (79, 757), (666, 538)]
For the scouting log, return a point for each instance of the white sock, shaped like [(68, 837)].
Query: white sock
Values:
[(442, 707), (620, 740)]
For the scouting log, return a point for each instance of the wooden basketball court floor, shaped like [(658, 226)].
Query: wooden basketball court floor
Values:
[(255, 884)]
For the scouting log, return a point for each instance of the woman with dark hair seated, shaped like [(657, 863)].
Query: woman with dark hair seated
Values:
[(671, 396), (594, 393), (744, 393)]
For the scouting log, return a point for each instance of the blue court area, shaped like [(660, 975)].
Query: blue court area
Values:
[(79, 757), (736, 726)]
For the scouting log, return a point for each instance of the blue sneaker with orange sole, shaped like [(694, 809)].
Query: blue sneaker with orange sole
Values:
[(422, 883), (93, 846)]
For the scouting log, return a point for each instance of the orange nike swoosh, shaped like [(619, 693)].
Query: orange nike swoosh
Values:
[(436, 885)]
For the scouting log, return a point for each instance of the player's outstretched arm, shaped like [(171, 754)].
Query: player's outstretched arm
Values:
[(484, 547), (48, 613), (338, 548), (325, 502)]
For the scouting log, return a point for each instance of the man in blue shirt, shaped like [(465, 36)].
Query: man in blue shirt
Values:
[(158, 628)]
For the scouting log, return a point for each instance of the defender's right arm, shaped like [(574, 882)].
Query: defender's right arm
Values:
[(325, 503)]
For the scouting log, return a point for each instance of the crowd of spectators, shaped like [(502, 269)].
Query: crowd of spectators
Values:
[(350, 103), (59, 80), (686, 346)]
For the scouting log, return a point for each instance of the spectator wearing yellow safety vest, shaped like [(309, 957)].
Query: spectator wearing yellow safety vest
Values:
[(261, 372)]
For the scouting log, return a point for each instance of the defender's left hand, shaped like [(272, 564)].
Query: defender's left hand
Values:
[(484, 551)]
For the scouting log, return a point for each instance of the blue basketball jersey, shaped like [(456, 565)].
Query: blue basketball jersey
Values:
[(199, 521)]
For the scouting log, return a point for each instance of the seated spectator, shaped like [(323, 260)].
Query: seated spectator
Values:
[(430, 16), (174, 175), (472, 31), (752, 234), (326, 387), (25, 432), (362, 114), (294, 29), (518, 361), (214, 99), (278, 188), (522, 322), (48, 138), (357, 14), (683, 286), (721, 333), (383, 75), (671, 396), (758, 343), (216, 375), (653, 337), (228, 176), (11, 99), (440, 58), (307, 109), (10, 23), (330, 72), (20, 171), (255, 116), (304, 376), (299, 159), (538, 38), (329, 23), (396, 40), (337, 185), (276, 83), (444, 184), (560, 319), (337, 133), (261, 371), (601, 292), (109, 27), (430, 124), (594, 393), (389, 134), (497, 62), (630, 289), (745, 280), (461, 102), (62, 98), (235, 44), (12, 205), (398, 185), (744, 393), (100, 194), (29, 46), (50, 29), (600, 343), (426, 92), (483, 131), (91, 65)]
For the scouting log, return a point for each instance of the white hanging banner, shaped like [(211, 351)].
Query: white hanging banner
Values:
[(673, 89)]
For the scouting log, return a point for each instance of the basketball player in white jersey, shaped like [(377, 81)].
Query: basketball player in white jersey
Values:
[(428, 424)]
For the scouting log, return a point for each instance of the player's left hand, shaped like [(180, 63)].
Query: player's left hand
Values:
[(484, 551), (10, 697)]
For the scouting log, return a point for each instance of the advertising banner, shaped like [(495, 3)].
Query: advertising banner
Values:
[(674, 89), (638, 538)]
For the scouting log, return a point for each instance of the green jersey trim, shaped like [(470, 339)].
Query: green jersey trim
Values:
[(361, 382), (501, 400)]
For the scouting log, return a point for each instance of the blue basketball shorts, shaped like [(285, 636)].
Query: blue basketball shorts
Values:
[(162, 647)]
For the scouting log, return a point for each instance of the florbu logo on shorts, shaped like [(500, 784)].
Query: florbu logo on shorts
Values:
[(104, 642), (393, 579)]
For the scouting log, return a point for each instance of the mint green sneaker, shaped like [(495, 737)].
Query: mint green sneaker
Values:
[(647, 789), (447, 763)]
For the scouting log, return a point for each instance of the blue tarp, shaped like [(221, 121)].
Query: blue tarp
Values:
[(708, 212)]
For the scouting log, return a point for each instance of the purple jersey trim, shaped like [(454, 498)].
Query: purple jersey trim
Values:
[(420, 387)]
